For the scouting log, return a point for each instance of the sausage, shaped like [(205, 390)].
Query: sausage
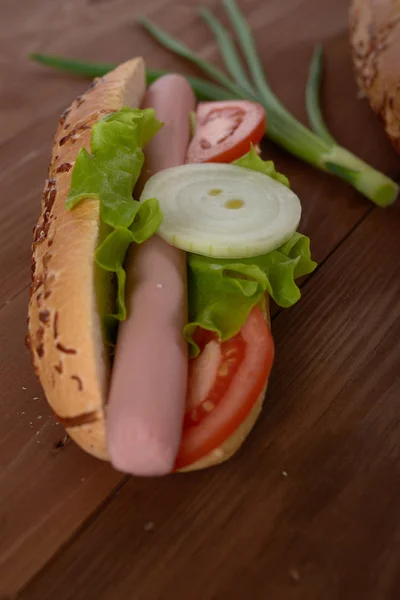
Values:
[(149, 379)]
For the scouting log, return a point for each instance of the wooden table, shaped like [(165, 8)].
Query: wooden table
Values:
[(309, 509)]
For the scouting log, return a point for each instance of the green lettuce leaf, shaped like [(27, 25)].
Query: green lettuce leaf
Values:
[(252, 161), (222, 292), (111, 252), (109, 173)]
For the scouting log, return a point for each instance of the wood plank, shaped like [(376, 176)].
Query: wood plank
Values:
[(43, 501), (309, 508), (46, 492), (75, 28)]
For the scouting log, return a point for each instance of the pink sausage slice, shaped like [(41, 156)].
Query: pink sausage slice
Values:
[(149, 378)]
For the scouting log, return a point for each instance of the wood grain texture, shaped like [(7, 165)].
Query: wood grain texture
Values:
[(331, 420), (46, 490), (309, 508)]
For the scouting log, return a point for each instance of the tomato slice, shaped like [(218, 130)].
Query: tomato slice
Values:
[(226, 378), (210, 375), (226, 130)]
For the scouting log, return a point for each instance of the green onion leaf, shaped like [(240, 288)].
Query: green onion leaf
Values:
[(292, 135), (77, 67), (228, 50), (184, 51), (282, 127), (204, 90), (246, 41), (313, 106)]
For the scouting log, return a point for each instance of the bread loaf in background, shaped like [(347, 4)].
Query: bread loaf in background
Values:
[(375, 44)]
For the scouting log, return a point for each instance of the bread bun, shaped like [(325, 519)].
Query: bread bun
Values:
[(375, 43), (69, 294)]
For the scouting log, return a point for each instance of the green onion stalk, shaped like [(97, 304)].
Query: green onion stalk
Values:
[(316, 146)]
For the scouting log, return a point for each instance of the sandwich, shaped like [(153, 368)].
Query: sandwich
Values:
[(162, 237)]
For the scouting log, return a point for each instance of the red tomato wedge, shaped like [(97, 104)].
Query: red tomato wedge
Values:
[(211, 374), (226, 130), (225, 380)]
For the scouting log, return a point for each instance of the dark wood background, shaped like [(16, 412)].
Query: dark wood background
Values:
[(309, 509)]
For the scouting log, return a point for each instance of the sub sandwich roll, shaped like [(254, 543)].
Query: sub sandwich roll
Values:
[(69, 293), (154, 259)]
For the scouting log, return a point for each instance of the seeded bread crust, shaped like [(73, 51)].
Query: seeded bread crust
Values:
[(64, 332), (375, 44)]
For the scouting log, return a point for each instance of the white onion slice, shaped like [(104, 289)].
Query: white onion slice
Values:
[(223, 210)]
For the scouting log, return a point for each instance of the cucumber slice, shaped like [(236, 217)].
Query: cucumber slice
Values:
[(222, 210)]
